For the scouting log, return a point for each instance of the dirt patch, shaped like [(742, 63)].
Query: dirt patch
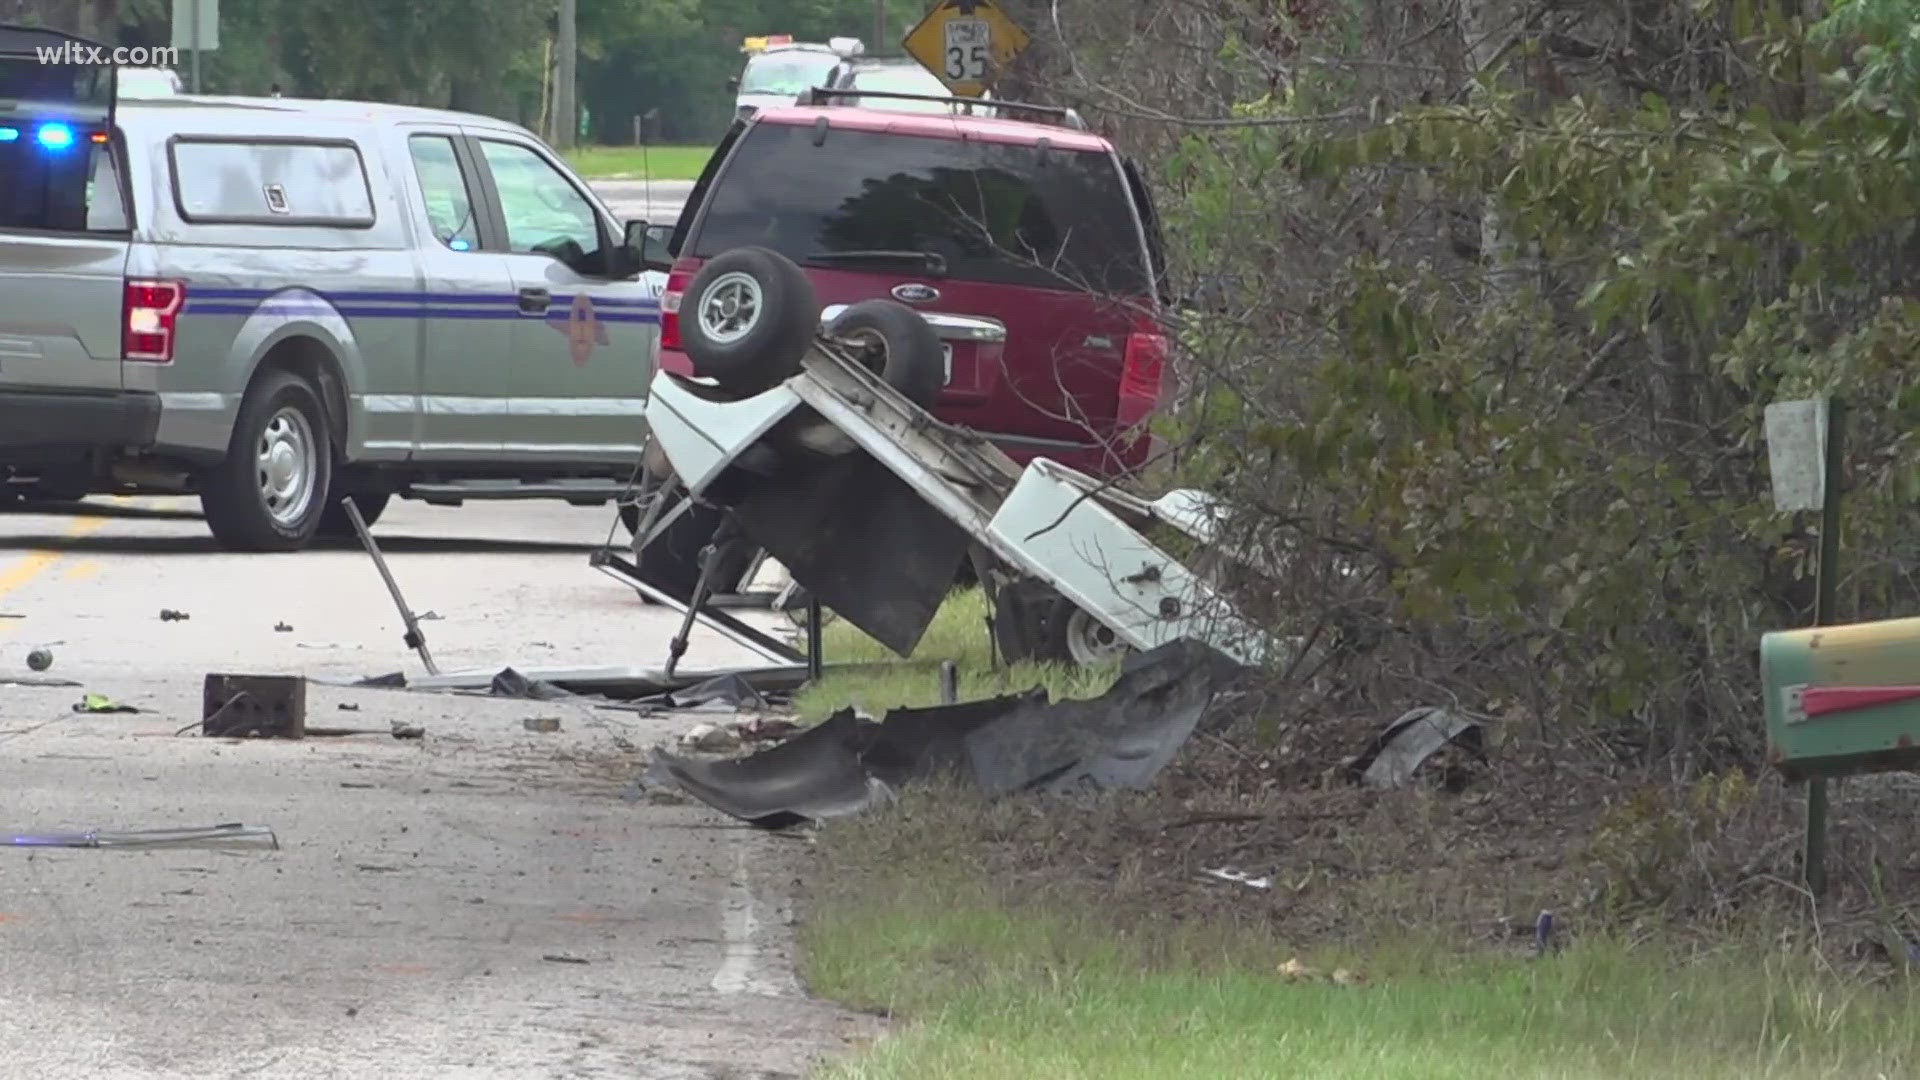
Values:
[(1471, 853)]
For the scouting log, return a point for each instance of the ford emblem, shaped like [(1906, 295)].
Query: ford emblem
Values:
[(915, 293)]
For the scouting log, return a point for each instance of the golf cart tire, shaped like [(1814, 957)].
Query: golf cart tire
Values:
[(764, 348), (907, 346), (1032, 622), (672, 562)]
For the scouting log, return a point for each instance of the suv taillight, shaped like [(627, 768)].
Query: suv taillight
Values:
[(149, 310), (1140, 380), (677, 283)]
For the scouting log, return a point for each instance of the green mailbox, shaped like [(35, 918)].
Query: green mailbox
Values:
[(1843, 699)]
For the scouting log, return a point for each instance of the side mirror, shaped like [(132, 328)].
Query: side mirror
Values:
[(733, 84), (647, 245)]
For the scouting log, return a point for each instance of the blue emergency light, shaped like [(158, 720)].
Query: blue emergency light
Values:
[(8, 134), (55, 136)]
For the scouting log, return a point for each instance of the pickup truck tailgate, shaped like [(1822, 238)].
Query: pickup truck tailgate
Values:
[(60, 302)]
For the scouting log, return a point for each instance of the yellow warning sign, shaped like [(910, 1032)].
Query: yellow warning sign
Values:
[(965, 43)]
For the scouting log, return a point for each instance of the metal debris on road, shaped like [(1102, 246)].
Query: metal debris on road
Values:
[(618, 683), (415, 638), (214, 835), (253, 706), (101, 704), (545, 725), (511, 684), (40, 659), (348, 706), (282, 628), (556, 958), (729, 689), (1393, 756), (1019, 743), (30, 681), (404, 730), (170, 615)]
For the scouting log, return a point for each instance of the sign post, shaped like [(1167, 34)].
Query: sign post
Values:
[(1806, 446), (196, 27), (965, 44)]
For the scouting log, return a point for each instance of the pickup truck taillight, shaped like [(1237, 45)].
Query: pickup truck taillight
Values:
[(1141, 373), (677, 283), (149, 310)]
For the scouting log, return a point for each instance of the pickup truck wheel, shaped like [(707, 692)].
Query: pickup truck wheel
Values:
[(747, 319), (269, 493), (334, 521), (896, 343)]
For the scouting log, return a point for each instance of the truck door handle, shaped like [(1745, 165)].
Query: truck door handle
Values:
[(535, 301)]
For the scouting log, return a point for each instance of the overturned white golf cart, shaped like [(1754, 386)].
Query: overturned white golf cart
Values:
[(811, 438)]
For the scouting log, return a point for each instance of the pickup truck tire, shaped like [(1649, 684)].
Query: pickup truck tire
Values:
[(334, 521), (747, 319), (270, 492), (897, 344)]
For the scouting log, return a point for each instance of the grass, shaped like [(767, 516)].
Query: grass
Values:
[(636, 163), (993, 986), (958, 633)]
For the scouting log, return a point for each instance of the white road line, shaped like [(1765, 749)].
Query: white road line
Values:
[(741, 970)]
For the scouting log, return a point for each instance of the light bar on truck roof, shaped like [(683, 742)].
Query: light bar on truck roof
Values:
[(761, 44)]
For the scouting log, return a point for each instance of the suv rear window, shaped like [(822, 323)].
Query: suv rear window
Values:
[(1015, 215)]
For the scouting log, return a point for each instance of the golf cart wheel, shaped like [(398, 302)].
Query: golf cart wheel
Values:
[(896, 343), (334, 521), (672, 562), (747, 319), (1033, 623)]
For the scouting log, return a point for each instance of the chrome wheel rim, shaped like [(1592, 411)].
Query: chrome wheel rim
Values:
[(730, 307), (286, 466)]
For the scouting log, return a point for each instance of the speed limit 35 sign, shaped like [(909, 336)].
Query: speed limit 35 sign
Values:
[(964, 42)]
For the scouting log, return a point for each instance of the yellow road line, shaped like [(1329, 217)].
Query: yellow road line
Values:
[(39, 561)]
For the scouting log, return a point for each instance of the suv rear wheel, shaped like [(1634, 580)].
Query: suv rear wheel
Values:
[(269, 493)]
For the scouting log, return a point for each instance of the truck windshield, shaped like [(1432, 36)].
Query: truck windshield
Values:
[(787, 74), (993, 212)]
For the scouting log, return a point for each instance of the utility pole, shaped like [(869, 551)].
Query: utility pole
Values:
[(880, 42), (566, 114)]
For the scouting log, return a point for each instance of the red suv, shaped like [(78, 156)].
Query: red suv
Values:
[(1032, 248)]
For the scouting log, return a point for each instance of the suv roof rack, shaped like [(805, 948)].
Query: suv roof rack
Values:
[(821, 95)]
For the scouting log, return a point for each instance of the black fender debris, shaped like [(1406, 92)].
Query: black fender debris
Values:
[(1122, 739)]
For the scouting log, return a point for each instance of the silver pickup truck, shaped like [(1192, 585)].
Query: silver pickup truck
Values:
[(278, 304)]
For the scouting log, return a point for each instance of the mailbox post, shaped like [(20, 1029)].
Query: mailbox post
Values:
[(1840, 700)]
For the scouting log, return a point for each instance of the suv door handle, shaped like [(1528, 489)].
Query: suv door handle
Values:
[(535, 301)]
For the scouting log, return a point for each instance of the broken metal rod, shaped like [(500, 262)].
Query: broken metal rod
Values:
[(103, 838), (415, 639), (816, 649), (702, 588)]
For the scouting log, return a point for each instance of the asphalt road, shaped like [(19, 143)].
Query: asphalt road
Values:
[(657, 202), (486, 901)]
